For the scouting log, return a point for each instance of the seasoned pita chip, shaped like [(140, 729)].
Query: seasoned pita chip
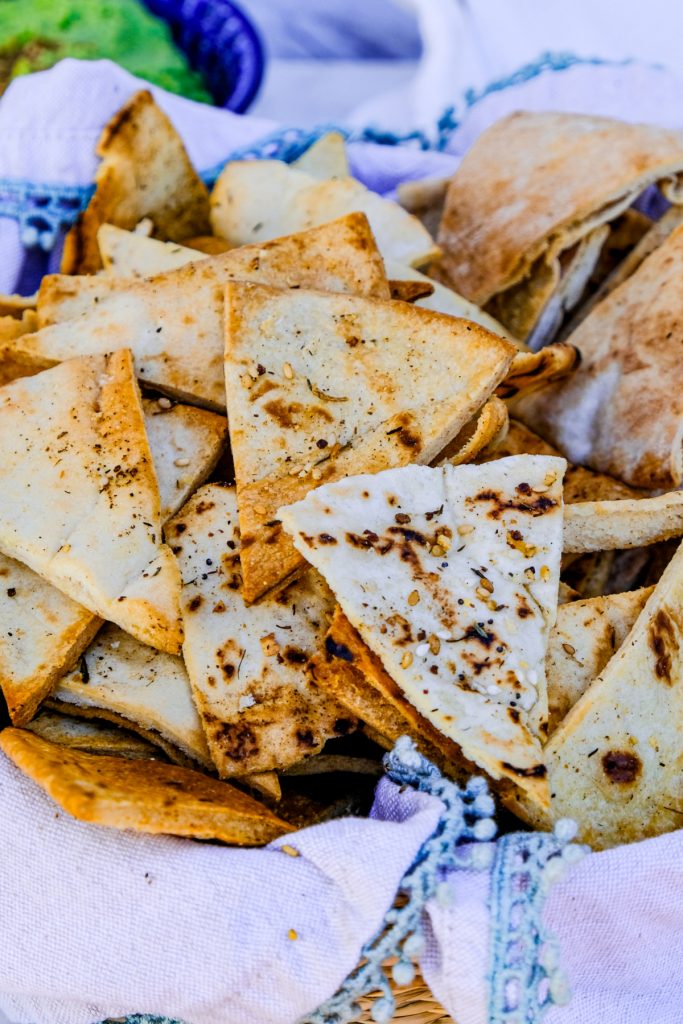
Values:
[(80, 499), (531, 370), (128, 254), (425, 199), (444, 300), (175, 323), (615, 763), (210, 245), (586, 635), (11, 328), (255, 200), (249, 667), (484, 432), (514, 223), (146, 796), (410, 291), (144, 689), (322, 386), (326, 158), (186, 444), (17, 305), (92, 736), (145, 172), (450, 577), (632, 349), (629, 523)]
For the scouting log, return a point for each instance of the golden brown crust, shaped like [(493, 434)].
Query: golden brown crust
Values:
[(410, 291)]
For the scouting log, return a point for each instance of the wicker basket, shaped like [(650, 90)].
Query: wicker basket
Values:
[(415, 1004)]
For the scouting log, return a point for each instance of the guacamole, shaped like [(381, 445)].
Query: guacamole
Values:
[(35, 35)]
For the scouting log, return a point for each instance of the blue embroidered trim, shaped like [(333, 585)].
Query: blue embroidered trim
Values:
[(524, 977), (42, 210)]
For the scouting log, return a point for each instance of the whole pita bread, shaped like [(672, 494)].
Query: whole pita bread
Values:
[(320, 386), (450, 577), (145, 172), (80, 498), (146, 796), (249, 667), (174, 322), (632, 348)]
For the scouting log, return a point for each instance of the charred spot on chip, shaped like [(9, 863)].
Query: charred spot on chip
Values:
[(523, 488), (664, 642), (537, 771), (337, 650), (237, 741), (343, 726), (295, 656), (195, 603), (621, 766), (327, 538), (514, 715), (204, 506), (306, 738)]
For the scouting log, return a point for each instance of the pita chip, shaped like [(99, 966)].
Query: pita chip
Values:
[(586, 635), (615, 762), (425, 198), (484, 432), (145, 172), (146, 796), (450, 577), (80, 498), (628, 523), (129, 254), (249, 667), (632, 349), (127, 682), (255, 200), (525, 209), (91, 736), (322, 386), (326, 158), (531, 370), (174, 322)]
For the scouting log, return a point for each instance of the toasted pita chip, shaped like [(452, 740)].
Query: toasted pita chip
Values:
[(607, 525), (486, 430), (445, 300), (210, 245), (92, 736), (144, 689), (265, 783), (632, 349), (146, 796), (402, 559), (80, 499), (586, 635), (348, 384), (11, 364), (128, 254), (255, 200), (175, 321), (186, 444), (531, 370), (145, 172), (326, 158), (249, 666), (511, 220), (566, 594), (411, 291), (16, 305), (425, 199), (615, 762)]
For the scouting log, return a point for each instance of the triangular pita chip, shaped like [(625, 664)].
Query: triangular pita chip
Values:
[(92, 736), (626, 523), (615, 763), (425, 198), (80, 499), (255, 200), (632, 349), (484, 432), (16, 305), (145, 172), (174, 323), (531, 188), (326, 158), (146, 796), (586, 635), (411, 291), (322, 386), (144, 689), (249, 667), (531, 370), (129, 254), (11, 328), (450, 576)]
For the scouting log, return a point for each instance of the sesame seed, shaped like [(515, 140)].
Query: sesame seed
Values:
[(291, 934), (540, 488), (487, 585), (444, 634), (568, 649), (545, 572), (464, 529), (164, 403), (434, 644), (260, 510), (181, 463), (550, 478), (290, 850), (288, 371), (437, 551), (316, 473), (407, 659), (413, 597), (422, 650), (246, 380)]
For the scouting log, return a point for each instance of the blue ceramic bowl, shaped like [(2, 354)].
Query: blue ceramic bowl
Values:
[(221, 43)]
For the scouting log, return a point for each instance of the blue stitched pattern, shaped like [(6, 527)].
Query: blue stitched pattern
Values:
[(42, 210)]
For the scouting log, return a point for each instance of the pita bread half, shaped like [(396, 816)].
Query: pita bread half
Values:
[(509, 210), (80, 499), (174, 322), (320, 386), (92, 736), (632, 349), (249, 667), (451, 576), (255, 200), (145, 172), (615, 762), (586, 635), (144, 689), (146, 796)]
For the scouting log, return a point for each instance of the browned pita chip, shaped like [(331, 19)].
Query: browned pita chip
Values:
[(16, 305), (483, 434), (92, 736), (531, 370), (145, 172), (212, 245), (146, 796), (528, 196), (411, 291), (629, 523), (425, 199), (632, 349)]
